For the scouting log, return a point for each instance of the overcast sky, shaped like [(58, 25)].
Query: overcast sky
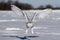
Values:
[(37, 3)]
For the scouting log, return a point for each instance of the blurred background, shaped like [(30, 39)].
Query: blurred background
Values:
[(30, 4)]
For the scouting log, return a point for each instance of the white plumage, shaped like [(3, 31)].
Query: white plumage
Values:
[(45, 13), (16, 10)]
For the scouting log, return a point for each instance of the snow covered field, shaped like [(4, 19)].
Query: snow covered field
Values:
[(49, 26)]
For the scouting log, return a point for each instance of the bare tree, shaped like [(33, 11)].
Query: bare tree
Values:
[(41, 7), (49, 6)]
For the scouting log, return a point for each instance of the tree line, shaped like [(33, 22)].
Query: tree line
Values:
[(23, 6)]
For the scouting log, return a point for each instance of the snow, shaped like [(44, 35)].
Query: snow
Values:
[(49, 26), (13, 29)]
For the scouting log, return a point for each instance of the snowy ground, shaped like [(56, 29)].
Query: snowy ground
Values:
[(50, 27)]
